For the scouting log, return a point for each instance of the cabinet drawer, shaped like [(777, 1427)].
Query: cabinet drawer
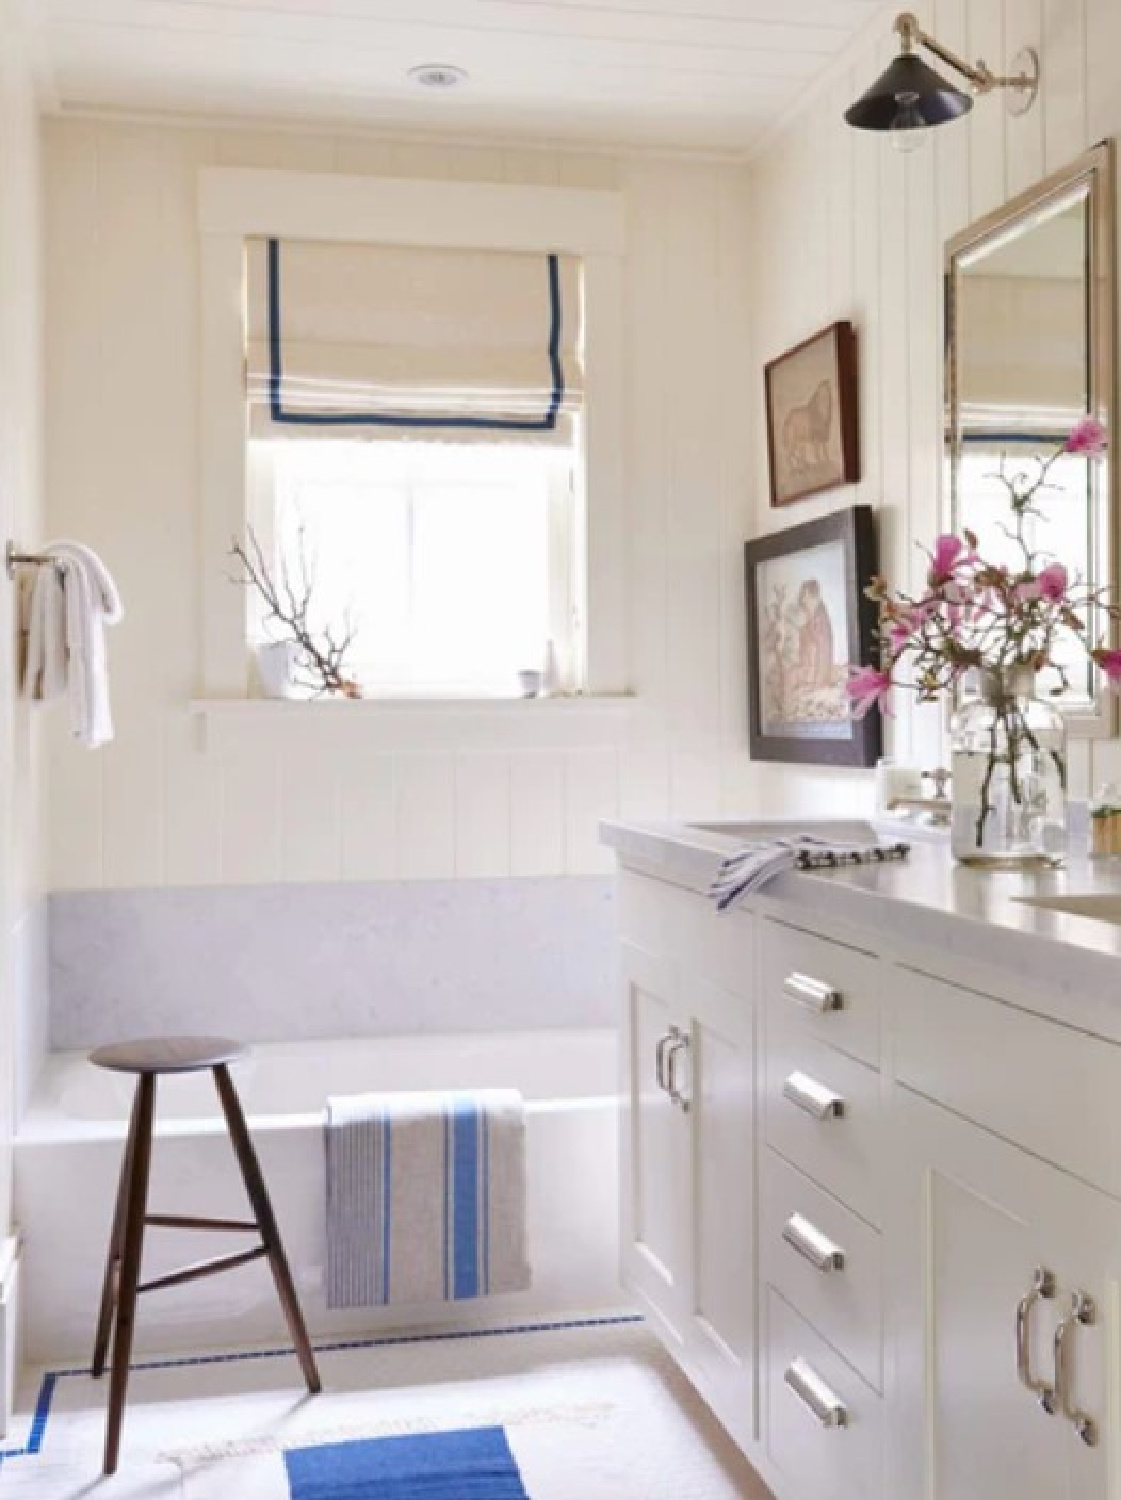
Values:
[(807, 1385), (822, 989), (839, 1149), (1043, 1086), (840, 1294)]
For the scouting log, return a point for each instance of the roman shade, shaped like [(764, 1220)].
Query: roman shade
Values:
[(388, 341)]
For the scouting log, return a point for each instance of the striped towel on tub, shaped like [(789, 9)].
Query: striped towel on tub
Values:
[(425, 1197)]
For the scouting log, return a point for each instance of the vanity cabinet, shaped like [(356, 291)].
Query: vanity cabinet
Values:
[(873, 1209), (1005, 1306), (688, 1138)]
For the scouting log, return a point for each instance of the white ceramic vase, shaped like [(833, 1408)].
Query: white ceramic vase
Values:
[(276, 667)]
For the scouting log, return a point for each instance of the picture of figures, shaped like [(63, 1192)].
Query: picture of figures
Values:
[(806, 646), (808, 621), (812, 429)]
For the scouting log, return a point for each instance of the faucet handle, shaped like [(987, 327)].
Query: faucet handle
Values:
[(941, 779)]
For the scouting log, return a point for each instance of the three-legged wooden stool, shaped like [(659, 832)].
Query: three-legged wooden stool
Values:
[(148, 1059)]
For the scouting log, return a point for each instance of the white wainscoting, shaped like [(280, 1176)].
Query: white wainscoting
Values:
[(22, 1016), (846, 227), (344, 801)]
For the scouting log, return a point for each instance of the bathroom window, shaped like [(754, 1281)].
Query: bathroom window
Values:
[(457, 566)]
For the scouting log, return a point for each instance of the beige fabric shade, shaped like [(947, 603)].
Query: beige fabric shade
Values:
[(385, 341)]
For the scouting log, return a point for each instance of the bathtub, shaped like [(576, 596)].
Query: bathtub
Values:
[(67, 1157)]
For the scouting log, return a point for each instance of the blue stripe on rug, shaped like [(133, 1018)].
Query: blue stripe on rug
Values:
[(475, 1464)]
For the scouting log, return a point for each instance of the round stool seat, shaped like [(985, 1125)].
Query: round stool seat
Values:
[(168, 1054)]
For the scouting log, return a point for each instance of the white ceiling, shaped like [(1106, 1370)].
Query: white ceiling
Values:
[(689, 73)]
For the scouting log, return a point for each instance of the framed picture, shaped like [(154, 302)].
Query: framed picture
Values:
[(813, 431), (808, 621)]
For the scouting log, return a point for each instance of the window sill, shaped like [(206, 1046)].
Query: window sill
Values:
[(401, 725), (296, 707)]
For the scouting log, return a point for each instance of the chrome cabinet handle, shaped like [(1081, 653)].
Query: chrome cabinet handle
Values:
[(660, 1051), (812, 1245), (815, 1098), (813, 1393), (814, 994), (679, 1045), (1043, 1289), (1082, 1314)]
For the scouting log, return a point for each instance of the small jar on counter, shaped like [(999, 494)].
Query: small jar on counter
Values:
[(1105, 822)]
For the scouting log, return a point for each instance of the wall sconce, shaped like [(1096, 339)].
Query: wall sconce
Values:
[(911, 97)]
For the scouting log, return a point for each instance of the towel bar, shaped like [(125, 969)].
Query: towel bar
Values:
[(14, 559)]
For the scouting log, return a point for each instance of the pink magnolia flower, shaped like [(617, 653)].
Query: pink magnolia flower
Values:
[(1090, 439), (868, 687), (1050, 584), (1054, 582), (1110, 663), (907, 622), (945, 557)]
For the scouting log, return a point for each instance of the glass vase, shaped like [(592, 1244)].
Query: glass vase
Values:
[(1009, 768)]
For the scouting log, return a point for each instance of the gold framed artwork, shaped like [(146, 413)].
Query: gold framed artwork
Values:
[(813, 430)]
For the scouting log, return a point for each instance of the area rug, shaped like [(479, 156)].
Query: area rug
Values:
[(591, 1410)]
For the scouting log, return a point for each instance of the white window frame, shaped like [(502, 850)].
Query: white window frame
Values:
[(236, 203)]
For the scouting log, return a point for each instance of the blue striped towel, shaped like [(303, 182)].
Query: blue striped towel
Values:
[(425, 1197)]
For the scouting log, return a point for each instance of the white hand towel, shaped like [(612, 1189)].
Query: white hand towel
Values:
[(75, 596)]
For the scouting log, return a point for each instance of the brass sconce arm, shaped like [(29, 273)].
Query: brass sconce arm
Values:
[(979, 74)]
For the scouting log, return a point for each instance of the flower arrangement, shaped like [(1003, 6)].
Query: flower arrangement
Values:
[(1001, 619)]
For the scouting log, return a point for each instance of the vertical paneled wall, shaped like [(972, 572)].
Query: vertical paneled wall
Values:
[(22, 1013), (355, 798), (844, 226)]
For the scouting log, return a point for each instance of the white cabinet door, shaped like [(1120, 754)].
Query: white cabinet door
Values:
[(972, 1220), (656, 1147), (721, 1091)]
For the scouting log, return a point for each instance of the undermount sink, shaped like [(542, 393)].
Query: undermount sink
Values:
[(837, 830), (1105, 908)]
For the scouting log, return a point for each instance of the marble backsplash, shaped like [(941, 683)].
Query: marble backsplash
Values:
[(283, 963)]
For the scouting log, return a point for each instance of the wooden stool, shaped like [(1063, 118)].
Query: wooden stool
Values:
[(148, 1059)]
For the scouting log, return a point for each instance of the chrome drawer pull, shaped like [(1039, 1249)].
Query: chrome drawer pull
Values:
[(1082, 1314), (815, 1098), (1043, 1288), (679, 1045), (814, 994), (812, 1245), (812, 1391)]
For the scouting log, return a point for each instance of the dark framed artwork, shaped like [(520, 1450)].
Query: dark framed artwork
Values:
[(813, 427), (808, 621)]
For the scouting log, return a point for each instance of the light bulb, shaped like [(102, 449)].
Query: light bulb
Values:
[(908, 128)]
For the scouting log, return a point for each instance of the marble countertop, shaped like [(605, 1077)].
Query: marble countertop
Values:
[(1069, 962)]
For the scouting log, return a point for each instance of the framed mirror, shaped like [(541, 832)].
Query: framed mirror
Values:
[(1030, 350)]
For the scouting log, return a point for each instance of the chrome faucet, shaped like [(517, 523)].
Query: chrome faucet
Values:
[(935, 810)]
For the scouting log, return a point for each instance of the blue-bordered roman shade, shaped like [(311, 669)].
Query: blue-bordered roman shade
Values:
[(388, 341)]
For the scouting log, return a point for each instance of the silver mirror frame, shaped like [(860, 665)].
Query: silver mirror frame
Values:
[(1095, 174)]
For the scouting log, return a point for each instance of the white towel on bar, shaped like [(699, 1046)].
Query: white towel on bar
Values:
[(425, 1197), (74, 594)]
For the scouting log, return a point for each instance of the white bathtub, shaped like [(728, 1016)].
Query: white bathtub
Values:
[(68, 1152)]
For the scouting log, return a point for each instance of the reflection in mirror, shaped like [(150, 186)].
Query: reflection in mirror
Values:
[(1030, 345)]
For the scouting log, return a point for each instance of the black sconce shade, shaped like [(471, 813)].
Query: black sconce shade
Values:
[(908, 85)]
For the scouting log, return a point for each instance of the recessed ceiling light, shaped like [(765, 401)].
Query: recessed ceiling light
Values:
[(438, 76)]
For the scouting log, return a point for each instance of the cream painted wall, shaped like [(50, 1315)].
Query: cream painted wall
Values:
[(846, 227), (22, 1013), (378, 795)]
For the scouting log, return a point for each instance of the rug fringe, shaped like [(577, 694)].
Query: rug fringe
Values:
[(587, 1414)]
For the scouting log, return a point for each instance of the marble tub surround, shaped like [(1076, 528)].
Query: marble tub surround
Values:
[(1058, 962), (286, 963)]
